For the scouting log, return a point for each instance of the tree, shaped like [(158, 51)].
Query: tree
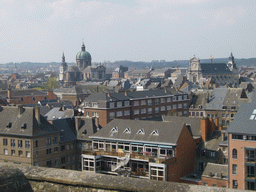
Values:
[(51, 84)]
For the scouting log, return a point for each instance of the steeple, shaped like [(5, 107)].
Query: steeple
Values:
[(83, 47), (231, 62), (63, 58)]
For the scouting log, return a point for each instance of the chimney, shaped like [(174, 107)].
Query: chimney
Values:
[(97, 88), (96, 120), (20, 109), (78, 122), (204, 123), (9, 93), (125, 93), (165, 89), (222, 136), (37, 114), (108, 94)]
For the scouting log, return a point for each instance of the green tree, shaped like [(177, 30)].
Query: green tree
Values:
[(51, 84)]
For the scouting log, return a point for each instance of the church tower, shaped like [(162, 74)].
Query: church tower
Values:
[(63, 67), (231, 63), (194, 70)]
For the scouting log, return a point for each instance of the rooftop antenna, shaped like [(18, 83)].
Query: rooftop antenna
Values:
[(211, 58)]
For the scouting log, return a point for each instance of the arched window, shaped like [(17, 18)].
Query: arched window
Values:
[(234, 154)]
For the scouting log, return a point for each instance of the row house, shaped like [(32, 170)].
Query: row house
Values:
[(135, 105), (153, 150), (242, 148), (28, 138)]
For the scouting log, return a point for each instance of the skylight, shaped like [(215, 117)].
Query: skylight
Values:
[(127, 130), (114, 129), (253, 115), (155, 132)]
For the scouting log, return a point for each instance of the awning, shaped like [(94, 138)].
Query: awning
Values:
[(165, 146)]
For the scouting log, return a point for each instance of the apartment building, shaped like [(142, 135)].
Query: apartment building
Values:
[(28, 138), (135, 105), (153, 150), (242, 148)]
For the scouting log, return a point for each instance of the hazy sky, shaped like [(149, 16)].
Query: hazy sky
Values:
[(137, 30)]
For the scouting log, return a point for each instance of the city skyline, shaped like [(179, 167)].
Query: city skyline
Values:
[(138, 30)]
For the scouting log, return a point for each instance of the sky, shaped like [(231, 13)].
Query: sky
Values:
[(136, 30)]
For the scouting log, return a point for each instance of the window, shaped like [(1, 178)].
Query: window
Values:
[(56, 149), (36, 143), (112, 105), (156, 109), (6, 151), (235, 184), (136, 103), (119, 113), (180, 113), (34, 98), (111, 115), (162, 108), (250, 185), (169, 107), (149, 101), (48, 141), (250, 171), (237, 136), (27, 144), (143, 102), (174, 106), (162, 100), (156, 101), (169, 99), (174, 98), (234, 154), (21, 99), (95, 114), (12, 152), (136, 111), (180, 106), (19, 143), (95, 105), (62, 148), (87, 104), (87, 114), (126, 112), (157, 173), (5, 142), (68, 160), (234, 169), (13, 142), (205, 184), (185, 97), (49, 163), (68, 147), (185, 105), (119, 104), (180, 98), (143, 111), (126, 103), (20, 153), (55, 140), (48, 151), (149, 110), (56, 162)]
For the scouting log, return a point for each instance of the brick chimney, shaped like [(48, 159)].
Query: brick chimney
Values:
[(78, 122), (96, 121), (37, 114), (204, 126), (20, 109)]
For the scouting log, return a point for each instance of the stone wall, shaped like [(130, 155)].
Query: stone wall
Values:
[(41, 179)]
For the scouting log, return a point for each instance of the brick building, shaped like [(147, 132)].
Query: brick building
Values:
[(242, 148), (28, 138), (135, 105), (26, 96), (153, 150)]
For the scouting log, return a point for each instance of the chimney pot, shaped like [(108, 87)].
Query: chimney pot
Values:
[(20, 109)]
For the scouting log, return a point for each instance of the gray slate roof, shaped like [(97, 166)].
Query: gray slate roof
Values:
[(215, 68), (22, 92), (168, 132), (56, 113), (214, 169), (193, 122), (33, 128), (242, 123), (87, 128)]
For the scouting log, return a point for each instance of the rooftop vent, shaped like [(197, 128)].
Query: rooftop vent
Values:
[(9, 125)]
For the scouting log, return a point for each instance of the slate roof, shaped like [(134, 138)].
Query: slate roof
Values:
[(73, 69), (56, 113), (215, 68), (87, 128), (242, 123), (22, 92), (168, 132), (214, 169), (213, 141), (217, 97), (193, 122), (33, 127)]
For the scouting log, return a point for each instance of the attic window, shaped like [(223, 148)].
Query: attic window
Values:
[(114, 129), (127, 130), (9, 125), (85, 131), (141, 131), (24, 126), (253, 115), (155, 132)]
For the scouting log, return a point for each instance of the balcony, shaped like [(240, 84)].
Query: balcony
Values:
[(134, 155)]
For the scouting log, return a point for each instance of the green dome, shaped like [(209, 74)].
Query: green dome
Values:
[(83, 55)]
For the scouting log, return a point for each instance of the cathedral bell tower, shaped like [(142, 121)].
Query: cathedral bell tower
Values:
[(63, 67), (194, 70), (231, 63)]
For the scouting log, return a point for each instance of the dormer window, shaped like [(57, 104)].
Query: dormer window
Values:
[(24, 126), (114, 129), (85, 132), (141, 131), (9, 125), (155, 132), (127, 130)]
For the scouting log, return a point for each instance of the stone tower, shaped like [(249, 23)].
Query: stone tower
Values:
[(63, 67), (194, 70)]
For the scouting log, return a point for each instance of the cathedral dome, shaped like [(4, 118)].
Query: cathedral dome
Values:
[(83, 54)]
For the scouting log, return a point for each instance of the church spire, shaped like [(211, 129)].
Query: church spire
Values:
[(83, 47), (63, 58)]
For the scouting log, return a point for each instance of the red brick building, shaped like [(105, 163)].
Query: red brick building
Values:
[(135, 105)]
